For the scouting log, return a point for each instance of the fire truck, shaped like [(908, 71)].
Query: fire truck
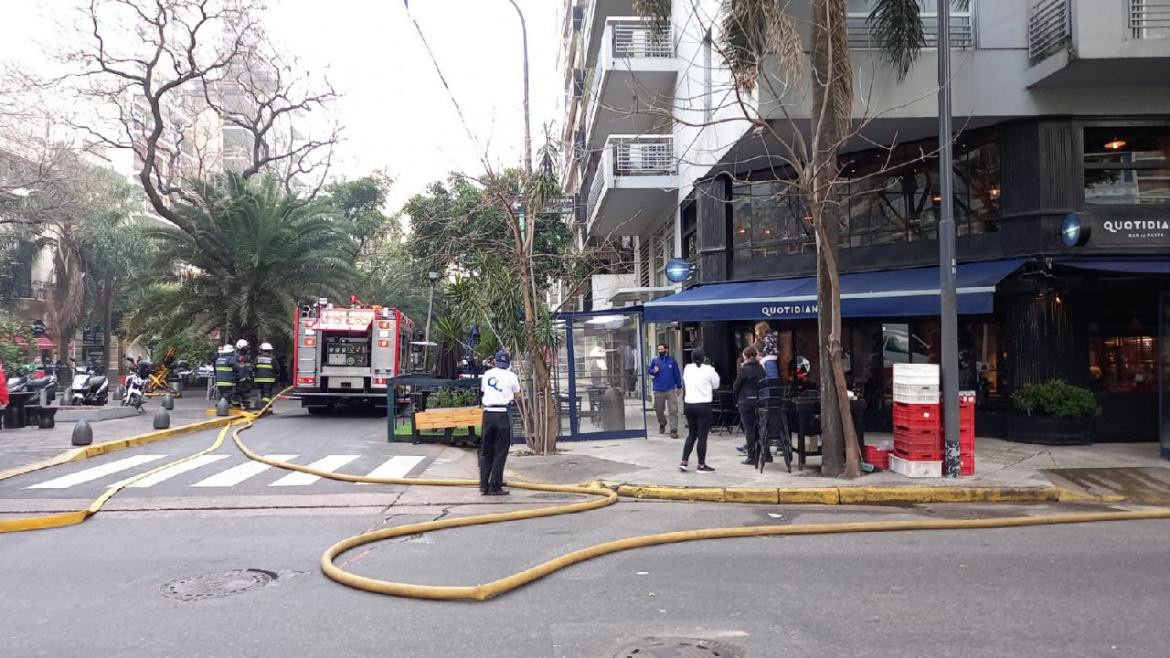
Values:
[(345, 355)]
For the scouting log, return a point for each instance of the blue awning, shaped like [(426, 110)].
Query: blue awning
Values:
[(1124, 265), (891, 293)]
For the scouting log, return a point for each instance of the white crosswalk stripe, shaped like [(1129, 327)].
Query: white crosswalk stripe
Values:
[(395, 467), (330, 464), (178, 469), (95, 472), (238, 474)]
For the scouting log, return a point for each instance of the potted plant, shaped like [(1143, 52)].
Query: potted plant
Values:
[(1055, 413)]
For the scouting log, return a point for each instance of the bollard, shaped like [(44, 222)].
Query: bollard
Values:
[(221, 407), (82, 433), (162, 419), (168, 402)]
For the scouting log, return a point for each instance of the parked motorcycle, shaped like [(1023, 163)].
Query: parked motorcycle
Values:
[(25, 382), (135, 394), (88, 387)]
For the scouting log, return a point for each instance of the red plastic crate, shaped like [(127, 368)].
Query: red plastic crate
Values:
[(918, 454), (967, 465), (878, 457)]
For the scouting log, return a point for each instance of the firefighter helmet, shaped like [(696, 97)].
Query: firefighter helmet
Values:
[(241, 344), (265, 347)]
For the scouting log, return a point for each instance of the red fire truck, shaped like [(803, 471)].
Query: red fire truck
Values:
[(345, 355)]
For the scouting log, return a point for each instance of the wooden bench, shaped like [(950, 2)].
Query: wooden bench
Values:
[(447, 419)]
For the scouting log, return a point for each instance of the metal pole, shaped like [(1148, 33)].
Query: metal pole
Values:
[(946, 250), (427, 334), (527, 131)]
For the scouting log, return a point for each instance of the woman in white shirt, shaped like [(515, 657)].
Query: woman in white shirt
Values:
[(699, 384)]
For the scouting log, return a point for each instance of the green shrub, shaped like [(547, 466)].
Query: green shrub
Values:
[(446, 398), (1056, 397)]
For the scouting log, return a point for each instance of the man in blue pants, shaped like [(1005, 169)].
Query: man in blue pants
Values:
[(500, 386)]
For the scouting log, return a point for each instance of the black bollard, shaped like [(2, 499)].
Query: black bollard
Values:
[(82, 433), (162, 419), (168, 402)]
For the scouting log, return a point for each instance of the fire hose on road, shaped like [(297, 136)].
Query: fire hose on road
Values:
[(600, 497)]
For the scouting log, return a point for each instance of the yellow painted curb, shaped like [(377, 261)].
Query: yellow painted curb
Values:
[(709, 494), (809, 496), (954, 494), (106, 447), (764, 496)]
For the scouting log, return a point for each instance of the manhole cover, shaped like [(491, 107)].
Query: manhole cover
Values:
[(215, 585), (678, 647)]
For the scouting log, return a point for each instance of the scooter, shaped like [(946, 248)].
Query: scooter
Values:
[(24, 382), (88, 387), (135, 393)]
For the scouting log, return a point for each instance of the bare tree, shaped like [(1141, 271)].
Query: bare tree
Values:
[(167, 74)]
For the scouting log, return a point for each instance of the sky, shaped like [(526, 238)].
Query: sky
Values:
[(395, 114)]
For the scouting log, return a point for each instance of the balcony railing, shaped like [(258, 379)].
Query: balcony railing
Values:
[(1149, 19), (638, 38), (1049, 28), (631, 156), (962, 29), (648, 155)]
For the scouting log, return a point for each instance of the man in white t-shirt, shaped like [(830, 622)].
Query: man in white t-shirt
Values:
[(500, 387)]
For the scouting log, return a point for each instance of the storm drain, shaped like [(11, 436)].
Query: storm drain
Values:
[(678, 647), (216, 585)]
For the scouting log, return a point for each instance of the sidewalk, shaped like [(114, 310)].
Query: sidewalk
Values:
[(1133, 470), (29, 444)]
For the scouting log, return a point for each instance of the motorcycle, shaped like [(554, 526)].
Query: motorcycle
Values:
[(135, 393), (88, 387), (26, 382)]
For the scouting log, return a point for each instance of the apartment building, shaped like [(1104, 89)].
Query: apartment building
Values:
[(1061, 196)]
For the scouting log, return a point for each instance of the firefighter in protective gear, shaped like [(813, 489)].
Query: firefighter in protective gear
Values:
[(226, 365), (265, 372)]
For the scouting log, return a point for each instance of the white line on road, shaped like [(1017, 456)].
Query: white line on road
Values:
[(95, 472), (330, 463), (395, 467), (238, 474), (178, 469)]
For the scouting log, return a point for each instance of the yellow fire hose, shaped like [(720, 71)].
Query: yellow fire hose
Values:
[(604, 498)]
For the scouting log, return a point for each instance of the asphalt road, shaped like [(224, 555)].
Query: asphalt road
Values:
[(108, 586)]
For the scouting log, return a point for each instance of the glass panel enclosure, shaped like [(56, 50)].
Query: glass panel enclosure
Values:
[(607, 370)]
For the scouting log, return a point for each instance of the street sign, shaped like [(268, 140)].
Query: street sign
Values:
[(560, 205)]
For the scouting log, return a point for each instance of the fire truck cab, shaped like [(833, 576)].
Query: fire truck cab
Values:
[(346, 355)]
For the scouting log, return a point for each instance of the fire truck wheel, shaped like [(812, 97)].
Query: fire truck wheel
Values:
[(319, 410)]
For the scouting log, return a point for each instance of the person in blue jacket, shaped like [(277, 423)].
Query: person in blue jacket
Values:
[(668, 383)]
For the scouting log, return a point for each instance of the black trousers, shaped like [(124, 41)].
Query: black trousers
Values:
[(493, 449), (751, 427), (698, 425)]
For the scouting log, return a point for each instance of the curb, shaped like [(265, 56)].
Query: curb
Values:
[(78, 454), (849, 495)]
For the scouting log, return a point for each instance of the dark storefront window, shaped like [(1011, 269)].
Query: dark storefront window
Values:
[(767, 220), (1127, 165), (1123, 364)]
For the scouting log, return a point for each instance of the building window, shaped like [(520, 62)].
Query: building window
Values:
[(1127, 165), (768, 220), (663, 251)]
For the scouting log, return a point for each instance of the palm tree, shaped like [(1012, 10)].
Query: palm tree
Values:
[(274, 250), (759, 42)]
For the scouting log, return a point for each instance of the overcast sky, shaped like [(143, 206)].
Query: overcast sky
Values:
[(395, 113)]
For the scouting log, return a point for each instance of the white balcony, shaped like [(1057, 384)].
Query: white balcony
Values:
[(1098, 42), (635, 186), (631, 87)]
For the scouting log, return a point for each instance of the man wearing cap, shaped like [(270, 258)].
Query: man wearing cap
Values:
[(500, 386)]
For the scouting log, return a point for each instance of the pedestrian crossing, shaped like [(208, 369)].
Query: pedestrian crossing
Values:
[(222, 471)]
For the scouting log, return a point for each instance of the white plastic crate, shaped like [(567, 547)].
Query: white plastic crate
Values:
[(915, 469), (916, 374), (914, 394)]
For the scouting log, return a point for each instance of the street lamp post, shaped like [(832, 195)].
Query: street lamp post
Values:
[(433, 277), (946, 251)]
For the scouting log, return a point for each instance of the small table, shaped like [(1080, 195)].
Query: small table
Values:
[(804, 415)]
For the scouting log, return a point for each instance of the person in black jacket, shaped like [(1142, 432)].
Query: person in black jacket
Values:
[(746, 390)]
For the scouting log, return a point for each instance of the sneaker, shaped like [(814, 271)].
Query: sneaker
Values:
[(703, 468), (741, 450), (749, 461), (683, 467), (498, 492), (674, 434), (662, 429)]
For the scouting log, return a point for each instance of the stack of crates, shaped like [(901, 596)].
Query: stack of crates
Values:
[(966, 432), (918, 446)]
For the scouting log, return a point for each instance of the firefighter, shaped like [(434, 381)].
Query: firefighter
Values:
[(500, 386), (265, 372), (226, 365)]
